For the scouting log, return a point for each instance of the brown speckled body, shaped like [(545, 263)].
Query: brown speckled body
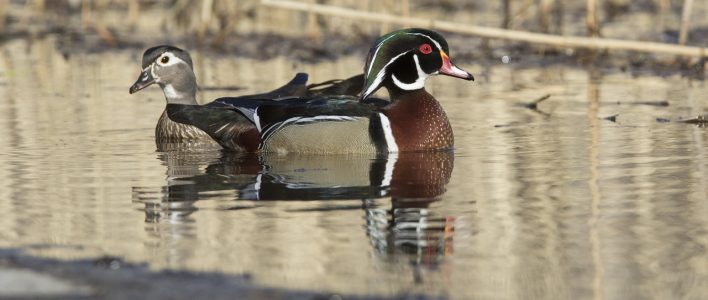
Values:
[(168, 131), (418, 122)]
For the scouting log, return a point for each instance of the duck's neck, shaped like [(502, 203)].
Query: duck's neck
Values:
[(182, 90), (395, 93)]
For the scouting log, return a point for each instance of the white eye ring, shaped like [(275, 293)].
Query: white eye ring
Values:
[(167, 59)]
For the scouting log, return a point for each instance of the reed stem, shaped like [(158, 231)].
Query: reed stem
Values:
[(685, 21), (496, 33)]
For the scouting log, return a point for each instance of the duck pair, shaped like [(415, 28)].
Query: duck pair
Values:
[(323, 118)]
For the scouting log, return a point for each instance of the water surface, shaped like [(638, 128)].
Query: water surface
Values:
[(554, 203)]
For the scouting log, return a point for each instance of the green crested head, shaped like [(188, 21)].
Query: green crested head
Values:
[(403, 59)]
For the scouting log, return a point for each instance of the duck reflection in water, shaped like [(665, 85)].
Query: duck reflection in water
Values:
[(406, 227), (410, 226)]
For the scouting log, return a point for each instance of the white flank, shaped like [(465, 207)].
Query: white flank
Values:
[(388, 134)]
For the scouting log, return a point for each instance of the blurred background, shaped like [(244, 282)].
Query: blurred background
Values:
[(255, 29)]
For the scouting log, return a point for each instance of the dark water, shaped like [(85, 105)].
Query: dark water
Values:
[(555, 203)]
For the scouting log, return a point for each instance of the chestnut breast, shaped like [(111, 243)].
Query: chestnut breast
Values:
[(418, 122)]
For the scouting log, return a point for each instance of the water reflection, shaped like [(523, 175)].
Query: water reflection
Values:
[(404, 225)]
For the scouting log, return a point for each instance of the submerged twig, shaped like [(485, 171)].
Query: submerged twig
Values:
[(661, 103), (612, 118), (534, 105), (698, 120)]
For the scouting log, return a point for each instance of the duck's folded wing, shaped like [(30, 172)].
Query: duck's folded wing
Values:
[(351, 86), (268, 114), (295, 87), (231, 129)]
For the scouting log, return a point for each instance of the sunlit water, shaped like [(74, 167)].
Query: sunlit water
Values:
[(555, 203)]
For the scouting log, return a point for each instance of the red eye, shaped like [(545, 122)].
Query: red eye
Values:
[(426, 49)]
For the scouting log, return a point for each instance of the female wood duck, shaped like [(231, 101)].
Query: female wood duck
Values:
[(171, 68)]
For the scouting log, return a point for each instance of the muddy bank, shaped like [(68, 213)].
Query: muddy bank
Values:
[(113, 278)]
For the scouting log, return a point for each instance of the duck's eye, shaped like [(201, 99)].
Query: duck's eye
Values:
[(165, 59), (426, 49)]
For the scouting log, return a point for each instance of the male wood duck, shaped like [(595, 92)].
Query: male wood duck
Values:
[(171, 68), (413, 120)]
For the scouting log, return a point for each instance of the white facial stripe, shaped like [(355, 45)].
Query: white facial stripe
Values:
[(375, 84), (388, 134), (378, 47), (380, 76), (373, 58), (417, 84), (431, 39)]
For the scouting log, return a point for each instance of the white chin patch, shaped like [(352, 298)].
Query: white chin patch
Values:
[(419, 83), (170, 92)]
